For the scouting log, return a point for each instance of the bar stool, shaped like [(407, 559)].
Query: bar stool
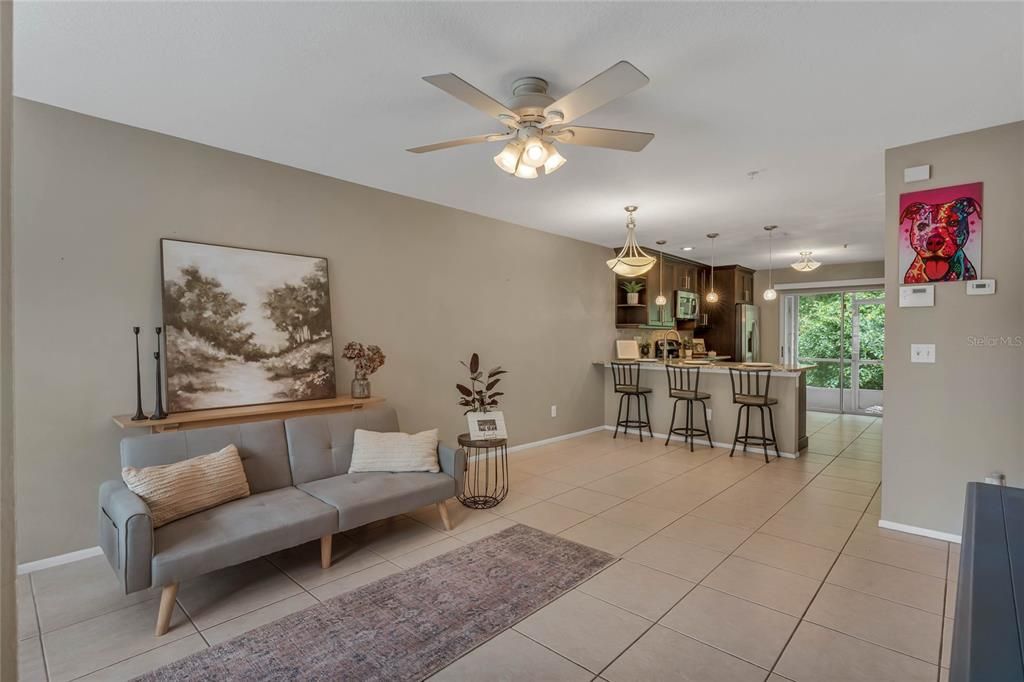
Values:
[(627, 383), (750, 389), (684, 384)]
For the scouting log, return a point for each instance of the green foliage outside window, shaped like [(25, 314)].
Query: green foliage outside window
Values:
[(825, 334)]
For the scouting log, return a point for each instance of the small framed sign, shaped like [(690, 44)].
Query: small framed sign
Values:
[(486, 425)]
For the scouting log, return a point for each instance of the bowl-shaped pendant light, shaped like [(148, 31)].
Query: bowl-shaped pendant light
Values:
[(631, 261), (770, 294), (712, 296), (806, 263)]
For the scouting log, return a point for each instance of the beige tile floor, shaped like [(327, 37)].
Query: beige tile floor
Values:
[(730, 569)]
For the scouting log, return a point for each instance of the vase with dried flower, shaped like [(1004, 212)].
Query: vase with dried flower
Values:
[(367, 360)]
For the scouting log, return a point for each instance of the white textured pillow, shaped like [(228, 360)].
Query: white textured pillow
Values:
[(394, 452)]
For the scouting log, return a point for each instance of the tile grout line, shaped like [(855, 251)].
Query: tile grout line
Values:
[(39, 627), (697, 584)]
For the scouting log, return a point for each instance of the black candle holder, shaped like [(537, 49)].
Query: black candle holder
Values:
[(139, 414), (158, 411)]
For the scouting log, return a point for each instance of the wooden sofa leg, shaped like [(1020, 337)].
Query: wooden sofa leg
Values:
[(325, 551), (443, 510), (163, 618)]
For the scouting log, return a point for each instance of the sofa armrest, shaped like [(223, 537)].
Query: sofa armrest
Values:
[(453, 463), (126, 535)]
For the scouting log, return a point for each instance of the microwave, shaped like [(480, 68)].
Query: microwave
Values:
[(687, 305)]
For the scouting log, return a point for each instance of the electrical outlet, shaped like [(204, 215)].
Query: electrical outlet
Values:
[(922, 352), (554, 411)]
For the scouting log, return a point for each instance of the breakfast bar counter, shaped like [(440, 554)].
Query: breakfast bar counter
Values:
[(788, 386)]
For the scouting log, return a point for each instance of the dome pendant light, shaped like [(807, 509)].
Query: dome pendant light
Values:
[(712, 296), (660, 300), (806, 263), (631, 261), (770, 294)]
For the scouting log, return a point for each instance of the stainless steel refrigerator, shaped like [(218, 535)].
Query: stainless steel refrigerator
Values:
[(748, 333)]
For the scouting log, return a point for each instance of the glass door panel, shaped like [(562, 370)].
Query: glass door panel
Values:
[(868, 351)]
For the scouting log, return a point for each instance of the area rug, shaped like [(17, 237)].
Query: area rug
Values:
[(408, 625)]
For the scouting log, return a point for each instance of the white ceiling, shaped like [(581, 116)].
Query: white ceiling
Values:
[(810, 93)]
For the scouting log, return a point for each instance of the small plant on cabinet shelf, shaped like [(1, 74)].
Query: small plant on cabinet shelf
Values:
[(632, 287), (480, 395)]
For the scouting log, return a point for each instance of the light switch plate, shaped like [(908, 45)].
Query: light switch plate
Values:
[(917, 296), (922, 352), (981, 287)]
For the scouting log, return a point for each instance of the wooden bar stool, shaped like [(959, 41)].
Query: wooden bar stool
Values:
[(627, 383), (684, 384), (750, 389)]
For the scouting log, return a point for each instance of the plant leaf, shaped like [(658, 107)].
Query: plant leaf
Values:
[(492, 384), (474, 363), (497, 371), (496, 394), (463, 390)]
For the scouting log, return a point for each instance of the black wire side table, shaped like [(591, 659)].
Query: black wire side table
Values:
[(485, 484)]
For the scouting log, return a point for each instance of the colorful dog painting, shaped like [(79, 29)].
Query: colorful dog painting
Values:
[(940, 234)]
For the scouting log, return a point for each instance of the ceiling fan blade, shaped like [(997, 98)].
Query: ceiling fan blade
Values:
[(460, 89), (609, 138), (455, 143), (619, 80)]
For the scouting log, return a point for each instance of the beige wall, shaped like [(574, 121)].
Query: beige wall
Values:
[(428, 283), (823, 275), (8, 608), (963, 417)]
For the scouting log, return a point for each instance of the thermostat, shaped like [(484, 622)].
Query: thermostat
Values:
[(981, 287), (917, 296)]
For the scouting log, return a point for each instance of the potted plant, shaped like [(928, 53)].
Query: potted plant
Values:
[(687, 347), (367, 359), (479, 399), (644, 342), (632, 287)]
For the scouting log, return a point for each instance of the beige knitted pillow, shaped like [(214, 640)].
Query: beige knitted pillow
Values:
[(173, 491), (394, 452)]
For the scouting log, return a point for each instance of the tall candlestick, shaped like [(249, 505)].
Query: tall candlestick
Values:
[(139, 414), (158, 412)]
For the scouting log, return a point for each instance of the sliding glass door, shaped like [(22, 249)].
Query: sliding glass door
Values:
[(842, 333)]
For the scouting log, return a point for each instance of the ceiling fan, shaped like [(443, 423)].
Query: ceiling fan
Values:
[(534, 120)]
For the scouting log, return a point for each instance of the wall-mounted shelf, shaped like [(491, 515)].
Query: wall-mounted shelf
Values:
[(199, 419)]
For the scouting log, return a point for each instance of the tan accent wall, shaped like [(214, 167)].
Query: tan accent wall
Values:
[(823, 275), (430, 284), (962, 417)]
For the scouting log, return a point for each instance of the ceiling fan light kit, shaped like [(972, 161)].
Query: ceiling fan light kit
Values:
[(631, 261), (534, 120)]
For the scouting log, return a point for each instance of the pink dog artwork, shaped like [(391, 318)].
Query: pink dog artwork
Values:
[(940, 234)]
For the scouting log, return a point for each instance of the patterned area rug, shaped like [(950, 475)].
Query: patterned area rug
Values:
[(410, 624)]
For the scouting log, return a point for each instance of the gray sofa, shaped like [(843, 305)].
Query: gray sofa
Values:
[(301, 491)]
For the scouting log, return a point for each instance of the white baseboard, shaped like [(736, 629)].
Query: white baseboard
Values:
[(553, 439), (59, 560), (699, 440), (924, 532)]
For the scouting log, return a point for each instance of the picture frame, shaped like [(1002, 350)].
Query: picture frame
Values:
[(486, 425), (244, 326), (699, 348)]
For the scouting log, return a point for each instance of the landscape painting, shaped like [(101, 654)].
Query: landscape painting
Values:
[(244, 327)]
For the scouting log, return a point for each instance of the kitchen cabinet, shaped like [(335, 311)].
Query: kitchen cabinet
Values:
[(734, 284)]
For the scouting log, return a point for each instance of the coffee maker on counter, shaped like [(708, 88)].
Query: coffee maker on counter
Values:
[(667, 347)]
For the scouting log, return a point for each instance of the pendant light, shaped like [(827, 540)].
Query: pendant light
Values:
[(806, 263), (712, 296), (631, 261), (661, 300), (770, 294)]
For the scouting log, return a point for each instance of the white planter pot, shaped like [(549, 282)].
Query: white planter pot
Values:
[(632, 299)]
